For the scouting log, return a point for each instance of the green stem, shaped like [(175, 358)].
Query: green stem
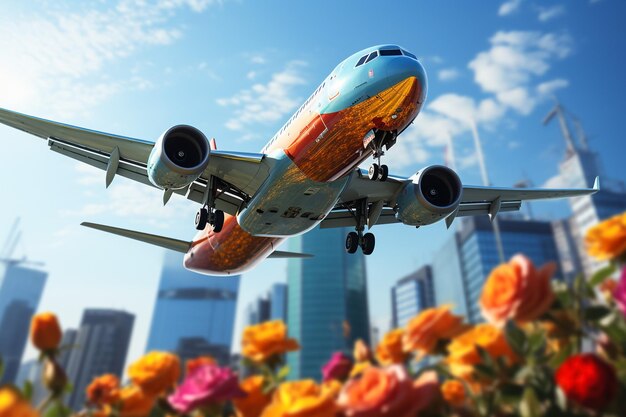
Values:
[(45, 403)]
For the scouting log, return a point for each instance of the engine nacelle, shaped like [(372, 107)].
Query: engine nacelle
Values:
[(433, 193), (178, 158)]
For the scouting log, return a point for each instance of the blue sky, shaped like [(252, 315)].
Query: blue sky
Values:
[(137, 67)]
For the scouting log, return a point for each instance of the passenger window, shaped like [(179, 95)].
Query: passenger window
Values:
[(372, 56), (361, 61)]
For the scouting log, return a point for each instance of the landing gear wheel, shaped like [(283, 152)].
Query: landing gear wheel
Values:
[(352, 242), (218, 221), (384, 173), (368, 243), (373, 172), (202, 217)]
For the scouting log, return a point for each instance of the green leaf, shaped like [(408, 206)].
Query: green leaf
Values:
[(560, 356), (596, 313), (57, 409), (537, 343), (515, 337), (600, 276), (485, 357), (485, 370), (511, 393), (282, 373), (1, 367), (27, 390), (530, 406)]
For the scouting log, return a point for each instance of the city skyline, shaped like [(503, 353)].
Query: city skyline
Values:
[(210, 83)]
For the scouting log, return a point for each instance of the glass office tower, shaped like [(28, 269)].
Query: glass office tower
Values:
[(327, 300), (193, 314), (411, 295)]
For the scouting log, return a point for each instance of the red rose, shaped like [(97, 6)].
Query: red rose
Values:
[(587, 380)]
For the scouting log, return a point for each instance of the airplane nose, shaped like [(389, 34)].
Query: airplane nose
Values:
[(402, 67)]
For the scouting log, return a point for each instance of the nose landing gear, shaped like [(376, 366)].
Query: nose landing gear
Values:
[(377, 171)]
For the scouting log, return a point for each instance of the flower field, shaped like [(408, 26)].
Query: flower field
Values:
[(544, 348)]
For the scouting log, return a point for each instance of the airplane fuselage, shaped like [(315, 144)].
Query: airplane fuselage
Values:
[(313, 155)]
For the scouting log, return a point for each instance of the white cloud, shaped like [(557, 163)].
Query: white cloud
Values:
[(509, 7), (265, 103), (549, 13), (47, 54), (448, 74), (550, 87)]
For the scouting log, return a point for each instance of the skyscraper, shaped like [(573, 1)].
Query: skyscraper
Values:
[(278, 302), (193, 312), (20, 293), (327, 300), (467, 259), (411, 295), (101, 346)]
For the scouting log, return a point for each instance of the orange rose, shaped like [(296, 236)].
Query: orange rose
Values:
[(262, 341), (463, 354), (134, 402), (453, 392), (426, 330), (607, 240), (387, 392), (13, 405), (202, 360), (256, 400), (517, 291), (45, 332), (104, 390), (155, 372), (301, 399), (389, 350), (362, 352)]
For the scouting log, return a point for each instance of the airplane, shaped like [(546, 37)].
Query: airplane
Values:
[(307, 175)]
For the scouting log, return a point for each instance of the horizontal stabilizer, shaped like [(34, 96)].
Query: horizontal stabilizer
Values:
[(164, 242), (282, 254)]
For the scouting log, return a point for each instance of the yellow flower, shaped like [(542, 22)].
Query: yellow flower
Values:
[(45, 332), (607, 240), (426, 330), (135, 402), (155, 372), (13, 405), (253, 404), (389, 350), (453, 392), (463, 354), (262, 341), (301, 399)]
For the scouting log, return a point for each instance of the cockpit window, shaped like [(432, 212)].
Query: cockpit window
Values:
[(409, 54), (361, 61), (390, 52), (372, 56)]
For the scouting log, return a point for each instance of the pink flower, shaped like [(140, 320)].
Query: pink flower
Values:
[(338, 367), (619, 294), (205, 385)]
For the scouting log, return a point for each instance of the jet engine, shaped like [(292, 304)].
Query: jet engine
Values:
[(178, 158), (433, 193)]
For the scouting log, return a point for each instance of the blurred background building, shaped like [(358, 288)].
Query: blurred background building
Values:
[(101, 345), (194, 315), (412, 294), (327, 300), (272, 306)]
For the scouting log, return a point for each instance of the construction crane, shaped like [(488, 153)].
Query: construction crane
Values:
[(560, 112), (13, 239)]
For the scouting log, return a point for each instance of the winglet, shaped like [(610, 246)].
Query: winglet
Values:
[(596, 184)]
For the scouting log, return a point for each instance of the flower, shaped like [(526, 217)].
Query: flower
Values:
[(463, 355), (134, 402), (426, 330), (619, 293), (262, 341), (389, 350), (607, 240), (453, 392), (104, 390), (205, 385), (362, 352), (517, 291), (338, 367), (255, 401), (155, 372), (192, 364), (45, 332), (587, 380), (301, 399), (13, 405), (387, 392)]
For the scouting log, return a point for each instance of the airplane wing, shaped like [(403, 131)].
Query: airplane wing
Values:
[(475, 200), (240, 173)]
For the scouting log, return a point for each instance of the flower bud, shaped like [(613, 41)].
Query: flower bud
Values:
[(45, 332)]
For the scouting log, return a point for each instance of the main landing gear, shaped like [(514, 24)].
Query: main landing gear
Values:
[(208, 214), (377, 171), (357, 239)]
